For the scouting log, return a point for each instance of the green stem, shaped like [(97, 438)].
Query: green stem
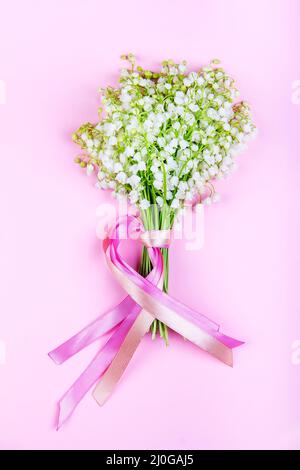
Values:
[(156, 219)]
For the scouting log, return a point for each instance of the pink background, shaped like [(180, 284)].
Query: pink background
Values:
[(54, 55)]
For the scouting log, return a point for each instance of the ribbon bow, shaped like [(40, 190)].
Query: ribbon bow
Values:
[(133, 318)]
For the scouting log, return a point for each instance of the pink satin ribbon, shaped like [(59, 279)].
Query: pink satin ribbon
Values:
[(133, 318)]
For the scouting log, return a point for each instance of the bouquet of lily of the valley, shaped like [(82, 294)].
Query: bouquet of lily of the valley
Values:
[(163, 138)]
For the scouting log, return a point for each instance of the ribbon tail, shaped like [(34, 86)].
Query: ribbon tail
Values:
[(228, 341), (92, 332), (121, 360), (177, 316), (96, 368), (222, 347)]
